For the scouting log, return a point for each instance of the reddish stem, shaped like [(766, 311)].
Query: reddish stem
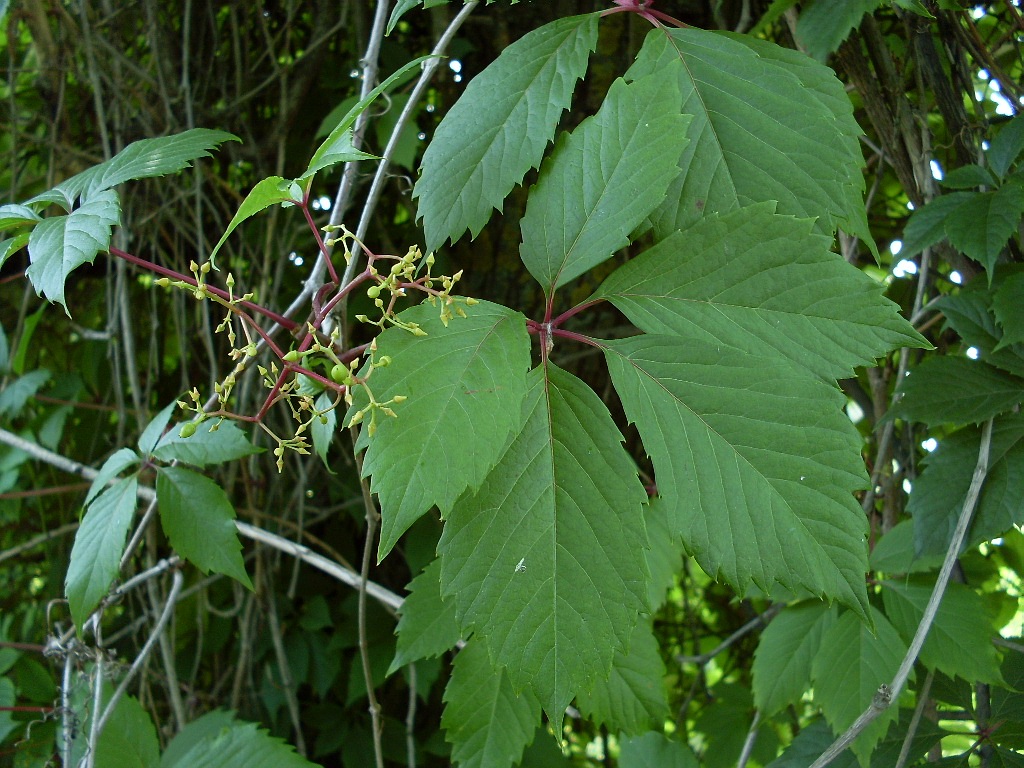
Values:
[(574, 311), (319, 240)]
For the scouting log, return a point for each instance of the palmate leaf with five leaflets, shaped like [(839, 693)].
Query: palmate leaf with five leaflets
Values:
[(603, 179), (763, 283), (756, 460), (465, 384), (545, 562), (499, 128)]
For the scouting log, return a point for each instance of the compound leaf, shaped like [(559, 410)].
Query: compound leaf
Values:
[(756, 459), (959, 643), (768, 124), (498, 129), (848, 670), (485, 720), (632, 700), (199, 521), (98, 547), (465, 384), (60, 244), (765, 284), (603, 179), (428, 626), (545, 562), (782, 662)]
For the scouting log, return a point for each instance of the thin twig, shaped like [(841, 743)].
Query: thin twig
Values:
[(887, 694), (908, 740), (748, 744), (732, 639)]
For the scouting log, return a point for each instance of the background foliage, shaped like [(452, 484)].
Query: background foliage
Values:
[(721, 672)]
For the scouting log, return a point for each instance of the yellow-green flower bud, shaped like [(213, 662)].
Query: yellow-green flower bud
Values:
[(293, 356)]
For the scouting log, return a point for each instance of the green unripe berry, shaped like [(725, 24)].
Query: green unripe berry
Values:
[(292, 357), (339, 374), (187, 429), (373, 291)]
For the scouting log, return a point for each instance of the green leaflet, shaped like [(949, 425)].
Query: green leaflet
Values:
[(498, 129), (545, 563), (15, 216), (154, 431), (98, 547), (217, 740), (632, 700), (956, 390), (119, 461), (970, 314), (1008, 307), (129, 738), (602, 180), (756, 459), (142, 159), (940, 490), (214, 442), (323, 428), (824, 25), (428, 626), (1006, 146), (788, 645), (465, 385), (652, 750), (267, 192), (765, 284), (959, 643), (60, 244), (852, 663), (768, 124), (199, 521), (982, 224), (484, 719), (725, 722)]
